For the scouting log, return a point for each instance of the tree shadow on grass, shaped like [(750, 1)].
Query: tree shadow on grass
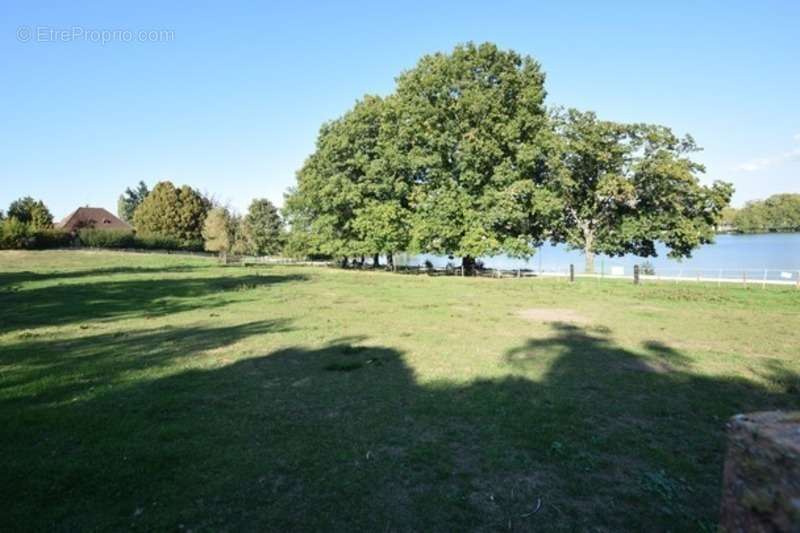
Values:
[(23, 276), (74, 368), (57, 305), (345, 437)]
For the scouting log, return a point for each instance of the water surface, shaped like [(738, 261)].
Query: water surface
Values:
[(729, 256)]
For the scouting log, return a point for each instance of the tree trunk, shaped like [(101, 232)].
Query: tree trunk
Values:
[(589, 255), (390, 261), (467, 265), (588, 250), (376, 261), (363, 260), (344, 262)]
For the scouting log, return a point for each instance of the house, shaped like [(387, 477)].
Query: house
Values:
[(92, 217)]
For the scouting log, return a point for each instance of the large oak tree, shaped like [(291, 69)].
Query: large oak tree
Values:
[(624, 187), (475, 128), (351, 197)]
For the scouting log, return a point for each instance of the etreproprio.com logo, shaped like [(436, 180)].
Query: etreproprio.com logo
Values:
[(48, 34)]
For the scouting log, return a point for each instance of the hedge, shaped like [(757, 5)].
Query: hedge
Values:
[(105, 238), (16, 235), (162, 242)]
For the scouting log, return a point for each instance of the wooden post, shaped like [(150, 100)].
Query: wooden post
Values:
[(635, 274), (572, 272)]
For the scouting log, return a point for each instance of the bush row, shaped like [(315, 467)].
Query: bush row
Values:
[(18, 235), (15, 235), (99, 238)]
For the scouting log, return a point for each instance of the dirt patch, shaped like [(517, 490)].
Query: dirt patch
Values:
[(550, 314)]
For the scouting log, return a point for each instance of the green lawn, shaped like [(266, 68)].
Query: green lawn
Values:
[(160, 392)]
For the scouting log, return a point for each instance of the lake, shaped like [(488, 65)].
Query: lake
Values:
[(731, 256)]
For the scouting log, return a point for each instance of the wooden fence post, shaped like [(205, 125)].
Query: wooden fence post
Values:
[(635, 274), (571, 272)]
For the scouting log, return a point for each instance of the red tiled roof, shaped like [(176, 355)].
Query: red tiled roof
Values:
[(92, 217)]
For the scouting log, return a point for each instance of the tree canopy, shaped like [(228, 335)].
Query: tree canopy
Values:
[(334, 183), (130, 200), (31, 212), (177, 213), (262, 228), (218, 230), (474, 131), (452, 162), (625, 186)]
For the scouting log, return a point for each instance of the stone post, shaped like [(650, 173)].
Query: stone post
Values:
[(761, 486)]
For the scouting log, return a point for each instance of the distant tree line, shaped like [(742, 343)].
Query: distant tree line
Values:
[(464, 159), (780, 212), (194, 221), (166, 217)]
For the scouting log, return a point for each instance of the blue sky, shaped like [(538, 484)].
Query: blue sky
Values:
[(232, 102)]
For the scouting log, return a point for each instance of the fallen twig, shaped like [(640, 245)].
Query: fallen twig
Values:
[(538, 506)]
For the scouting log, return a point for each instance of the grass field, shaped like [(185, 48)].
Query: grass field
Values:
[(161, 392)]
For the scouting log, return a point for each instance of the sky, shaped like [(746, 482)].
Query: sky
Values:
[(228, 97)]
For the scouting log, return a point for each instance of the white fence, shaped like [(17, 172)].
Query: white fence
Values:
[(761, 276), (273, 260), (745, 276)]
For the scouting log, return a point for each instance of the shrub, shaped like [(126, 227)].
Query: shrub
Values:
[(106, 238), (15, 234), (192, 245), (156, 241), (51, 238), (18, 235)]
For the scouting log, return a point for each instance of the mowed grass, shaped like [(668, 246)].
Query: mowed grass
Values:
[(162, 392)]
